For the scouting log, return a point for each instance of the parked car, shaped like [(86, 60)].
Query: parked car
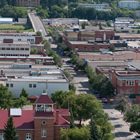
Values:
[(95, 92), (104, 100), (68, 61), (137, 137)]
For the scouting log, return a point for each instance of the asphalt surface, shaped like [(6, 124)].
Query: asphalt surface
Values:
[(81, 83), (37, 24)]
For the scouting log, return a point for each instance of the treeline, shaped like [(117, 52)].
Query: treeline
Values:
[(84, 13), (13, 12), (7, 2)]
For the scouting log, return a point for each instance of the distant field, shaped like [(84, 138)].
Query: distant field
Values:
[(12, 27)]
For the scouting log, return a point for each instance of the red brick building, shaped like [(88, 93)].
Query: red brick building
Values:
[(42, 123), (126, 83), (85, 46), (103, 35)]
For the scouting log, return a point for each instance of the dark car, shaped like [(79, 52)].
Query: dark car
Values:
[(68, 61), (95, 92)]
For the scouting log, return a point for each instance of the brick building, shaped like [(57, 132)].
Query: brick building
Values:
[(42, 123), (85, 46), (28, 3), (103, 35), (126, 83)]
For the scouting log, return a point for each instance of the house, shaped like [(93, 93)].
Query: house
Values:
[(6, 21), (44, 122)]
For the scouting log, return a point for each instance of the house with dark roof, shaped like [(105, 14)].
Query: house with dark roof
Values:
[(44, 122)]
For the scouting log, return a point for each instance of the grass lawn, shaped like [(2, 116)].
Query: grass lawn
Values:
[(12, 27)]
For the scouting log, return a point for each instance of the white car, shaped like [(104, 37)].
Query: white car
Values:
[(137, 137)]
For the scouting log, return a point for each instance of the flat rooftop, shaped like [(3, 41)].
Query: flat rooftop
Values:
[(127, 35), (85, 42), (99, 53)]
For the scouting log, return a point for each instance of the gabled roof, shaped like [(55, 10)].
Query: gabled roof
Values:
[(61, 121), (25, 121), (33, 97), (63, 112), (44, 99)]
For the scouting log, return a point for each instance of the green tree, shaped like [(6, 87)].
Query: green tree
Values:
[(107, 89), (108, 23), (121, 105), (95, 134), (84, 106), (69, 77), (72, 124), (89, 71), (39, 33), (20, 102), (132, 114), (59, 96), (75, 133), (72, 87), (24, 93), (6, 98), (105, 128), (10, 131), (84, 24), (135, 127), (112, 48)]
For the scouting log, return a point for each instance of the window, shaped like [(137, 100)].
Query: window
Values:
[(19, 39), (130, 83), (28, 40), (17, 48), (7, 48), (11, 85), (85, 49), (28, 136), (1, 136), (34, 85), (30, 85), (3, 48), (43, 122), (43, 133), (7, 85), (120, 82), (26, 49), (22, 49), (12, 48), (76, 49), (130, 91)]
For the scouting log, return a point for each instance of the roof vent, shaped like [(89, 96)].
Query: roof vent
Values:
[(15, 112)]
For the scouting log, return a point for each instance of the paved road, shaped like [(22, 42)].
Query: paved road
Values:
[(37, 24), (81, 83)]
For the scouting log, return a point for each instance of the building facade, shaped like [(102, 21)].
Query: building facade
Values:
[(129, 4), (44, 122), (8, 47), (104, 35), (33, 39), (28, 3)]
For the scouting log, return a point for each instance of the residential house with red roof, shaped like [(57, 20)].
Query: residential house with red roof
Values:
[(44, 122)]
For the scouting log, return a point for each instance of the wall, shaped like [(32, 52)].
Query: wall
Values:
[(40, 86), (49, 126)]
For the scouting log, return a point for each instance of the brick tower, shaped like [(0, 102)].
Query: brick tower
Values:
[(44, 118)]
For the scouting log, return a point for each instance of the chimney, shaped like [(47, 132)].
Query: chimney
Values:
[(33, 106), (1, 72), (54, 106), (57, 117)]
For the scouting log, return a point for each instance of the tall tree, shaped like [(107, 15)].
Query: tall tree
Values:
[(95, 134), (10, 131), (24, 93)]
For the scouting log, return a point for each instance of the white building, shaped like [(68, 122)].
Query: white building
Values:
[(6, 20), (96, 6), (36, 85), (32, 38), (129, 4), (33, 77), (8, 47), (137, 13)]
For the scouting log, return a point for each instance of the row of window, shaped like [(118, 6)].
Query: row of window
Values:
[(12, 85), (14, 55), (30, 40), (17, 49), (28, 135), (128, 83)]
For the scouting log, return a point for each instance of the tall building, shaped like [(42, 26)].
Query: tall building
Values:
[(44, 122), (28, 3)]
